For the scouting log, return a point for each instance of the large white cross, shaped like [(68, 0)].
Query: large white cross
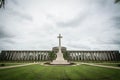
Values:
[(59, 43)]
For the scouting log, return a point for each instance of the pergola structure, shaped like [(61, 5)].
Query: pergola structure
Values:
[(27, 55)]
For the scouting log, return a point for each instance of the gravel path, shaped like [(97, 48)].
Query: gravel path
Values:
[(16, 66), (80, 63), (101, 65)]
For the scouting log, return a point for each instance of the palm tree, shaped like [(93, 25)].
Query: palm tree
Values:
[(2, 3), (116, 1)]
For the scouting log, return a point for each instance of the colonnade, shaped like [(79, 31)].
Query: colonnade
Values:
[(24, 55), (94, 55), (72, 55)]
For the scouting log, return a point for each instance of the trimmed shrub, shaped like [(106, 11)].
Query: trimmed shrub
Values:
[(2, 64)]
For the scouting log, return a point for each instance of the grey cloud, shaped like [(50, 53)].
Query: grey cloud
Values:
[(49, 16), (80, 46), (3, 47), (33, 35), (74, 22), (15, 2), (6, 43), (5, 39), (116, 21), (22, 16), (109, 42), (117, 18), (4, 33), (116, 41)]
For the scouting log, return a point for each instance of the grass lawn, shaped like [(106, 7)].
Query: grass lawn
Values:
[(9, 64), (39, 72)]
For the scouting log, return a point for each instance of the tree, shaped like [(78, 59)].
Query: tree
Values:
[(2, 3), (52, 56), (116, 1), (66, 55)]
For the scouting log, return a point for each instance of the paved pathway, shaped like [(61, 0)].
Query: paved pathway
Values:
[(16, 66), (80, 63), (101, 65)]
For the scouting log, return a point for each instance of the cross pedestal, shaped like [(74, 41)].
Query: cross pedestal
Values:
[(59, 59)]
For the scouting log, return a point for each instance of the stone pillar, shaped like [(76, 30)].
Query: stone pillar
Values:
[(100, 56), (78, 56), (18, 56), (87, 55), (33, 55), (81, 55), (13, 56), (108, 53), (40, 56), (95, 54), (111, 54), (116, 56), (23, 56), (85, 58), (6, 56), (75, 56), (46, 56), (92, 54), (104, 56), (72, 58), (107, 56), (97, 58), (37, 55)]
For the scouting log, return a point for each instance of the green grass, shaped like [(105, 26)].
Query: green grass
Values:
[(38, 72)]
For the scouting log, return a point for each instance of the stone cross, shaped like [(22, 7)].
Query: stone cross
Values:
[(59, 47)]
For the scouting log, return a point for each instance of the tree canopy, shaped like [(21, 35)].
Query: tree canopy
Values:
[(2, 3), (116, 1)]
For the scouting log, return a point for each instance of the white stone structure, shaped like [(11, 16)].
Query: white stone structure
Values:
[(60, 59)]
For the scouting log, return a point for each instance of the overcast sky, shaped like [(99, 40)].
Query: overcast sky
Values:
[(84, 24)]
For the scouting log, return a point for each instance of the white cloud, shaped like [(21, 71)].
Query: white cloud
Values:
[(84, 24)]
